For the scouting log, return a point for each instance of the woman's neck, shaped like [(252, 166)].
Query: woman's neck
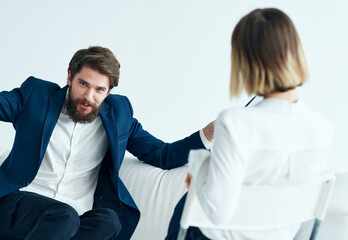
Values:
[(289, 95)]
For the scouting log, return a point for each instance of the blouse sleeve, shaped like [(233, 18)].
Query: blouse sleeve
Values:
[(218, 177)]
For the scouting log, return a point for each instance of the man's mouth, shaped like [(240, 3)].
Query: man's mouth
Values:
[(85, 105), (82, 111)]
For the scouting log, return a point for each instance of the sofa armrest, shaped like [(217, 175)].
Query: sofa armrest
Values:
[(156, 193)]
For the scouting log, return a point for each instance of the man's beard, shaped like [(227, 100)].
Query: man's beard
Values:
[(78, 117)]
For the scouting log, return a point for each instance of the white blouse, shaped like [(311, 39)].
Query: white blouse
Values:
[(274, 142)]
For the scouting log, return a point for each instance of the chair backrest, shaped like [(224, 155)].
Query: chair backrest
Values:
[(267, 207)]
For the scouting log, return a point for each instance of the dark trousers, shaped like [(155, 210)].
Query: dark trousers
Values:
[(30, 216), (193, 233)]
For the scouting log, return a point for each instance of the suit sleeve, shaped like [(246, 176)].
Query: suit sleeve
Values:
[(155, 152), (13, 102)]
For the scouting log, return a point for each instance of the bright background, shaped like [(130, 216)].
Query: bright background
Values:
[(174, 55)]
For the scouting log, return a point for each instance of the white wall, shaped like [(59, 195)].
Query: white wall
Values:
[(174, 55)]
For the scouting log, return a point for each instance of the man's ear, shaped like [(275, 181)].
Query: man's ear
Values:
[(69, 78)]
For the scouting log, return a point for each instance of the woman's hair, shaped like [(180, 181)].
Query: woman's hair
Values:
[(267, 55)]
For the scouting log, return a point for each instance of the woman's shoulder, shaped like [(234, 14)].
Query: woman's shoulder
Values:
[(318, 120), (238, 113)]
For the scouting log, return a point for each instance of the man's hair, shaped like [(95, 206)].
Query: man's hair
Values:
[(267, 55), (97, 58)]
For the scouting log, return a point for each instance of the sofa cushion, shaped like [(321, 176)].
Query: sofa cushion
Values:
[(156, 193)]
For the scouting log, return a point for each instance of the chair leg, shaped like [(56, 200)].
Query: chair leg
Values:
[(315, 230), (182, 234)]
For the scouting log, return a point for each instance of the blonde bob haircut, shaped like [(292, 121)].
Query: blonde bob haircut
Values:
[(267, 55)]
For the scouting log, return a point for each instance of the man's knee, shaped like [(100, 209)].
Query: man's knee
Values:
[(63, 216), (109, 220)]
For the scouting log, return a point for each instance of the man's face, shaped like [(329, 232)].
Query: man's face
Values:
[(88, 90)]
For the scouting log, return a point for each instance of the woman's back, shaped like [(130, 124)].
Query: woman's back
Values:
[(281, 141)]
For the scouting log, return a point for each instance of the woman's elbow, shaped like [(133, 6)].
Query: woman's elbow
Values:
[(220, 214), (217, 216)]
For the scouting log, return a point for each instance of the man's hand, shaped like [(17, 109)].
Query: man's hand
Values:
[(209, 131), (188, 180)]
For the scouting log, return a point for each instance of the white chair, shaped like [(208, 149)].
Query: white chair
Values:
[(267, 207), (335, 224)]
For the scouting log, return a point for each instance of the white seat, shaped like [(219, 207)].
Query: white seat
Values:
[(267, 207)]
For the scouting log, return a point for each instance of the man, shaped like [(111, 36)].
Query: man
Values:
[(60, 180)]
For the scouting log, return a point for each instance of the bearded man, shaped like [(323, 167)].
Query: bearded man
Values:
[(61, 180)]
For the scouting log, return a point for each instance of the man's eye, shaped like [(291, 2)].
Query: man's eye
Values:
[(83, 83), (100, 89)]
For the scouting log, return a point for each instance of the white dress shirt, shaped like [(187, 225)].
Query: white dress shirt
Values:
[(274, 142), (70, 167)]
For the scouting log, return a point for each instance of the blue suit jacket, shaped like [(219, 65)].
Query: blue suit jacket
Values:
[(34, 108)]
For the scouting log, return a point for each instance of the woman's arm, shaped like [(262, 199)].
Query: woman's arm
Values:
[(219, 178)]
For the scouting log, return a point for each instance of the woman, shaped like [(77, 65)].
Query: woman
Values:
[(279, 140)]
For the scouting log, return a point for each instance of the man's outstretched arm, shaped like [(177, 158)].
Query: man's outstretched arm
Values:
[(155, 152)]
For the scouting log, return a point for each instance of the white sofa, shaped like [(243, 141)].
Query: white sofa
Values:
[(156, 192)]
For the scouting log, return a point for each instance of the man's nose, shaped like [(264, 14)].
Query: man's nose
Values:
[(89, 95)]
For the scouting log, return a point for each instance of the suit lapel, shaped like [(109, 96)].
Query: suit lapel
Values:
[(107, 116), (55, 104), (109, 123)]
